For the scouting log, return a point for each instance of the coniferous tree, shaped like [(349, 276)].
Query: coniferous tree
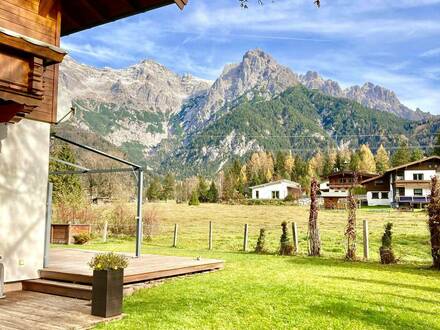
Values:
[(194, 200), (286, 247), (66, 188), (154, 190), (382, 160), (261, 242), (355, 162), (416, 154), (212, 193), (436, 151), (168, 187), (402, 155), (367, 162), (202, 190), (386, 250)]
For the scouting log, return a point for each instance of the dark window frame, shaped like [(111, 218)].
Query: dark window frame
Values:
[(417, 194)]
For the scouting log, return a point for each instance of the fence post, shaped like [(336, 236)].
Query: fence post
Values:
[(365, 232), (295, 238), (176, 227), (210, 236), (104, 232), (245, 240)]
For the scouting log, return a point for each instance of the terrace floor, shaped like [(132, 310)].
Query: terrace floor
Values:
[(71, 265), (32, 310)]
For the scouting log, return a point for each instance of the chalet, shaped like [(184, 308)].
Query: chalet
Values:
[(30, 32), (335, 189), (405, 185), (276, 190)]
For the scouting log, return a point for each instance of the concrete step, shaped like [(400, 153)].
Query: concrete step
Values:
[(58, 288)]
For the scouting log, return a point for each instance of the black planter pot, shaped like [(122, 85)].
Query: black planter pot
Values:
[(107, 292)]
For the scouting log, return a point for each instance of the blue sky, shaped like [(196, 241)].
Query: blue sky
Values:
[(393, 43)]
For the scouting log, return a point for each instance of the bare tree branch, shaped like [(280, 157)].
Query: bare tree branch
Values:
[(245, 3)]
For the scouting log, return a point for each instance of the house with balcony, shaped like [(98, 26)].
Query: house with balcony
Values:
[(334, 190), (405, 185)]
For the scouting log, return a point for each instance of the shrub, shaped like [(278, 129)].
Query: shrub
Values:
[(122, 220), (286, 248), (261, 242), (386, 250), (108, 261), (151, 223), (194, 200), (81, 239)]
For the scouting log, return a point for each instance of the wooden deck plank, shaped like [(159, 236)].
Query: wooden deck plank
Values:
[(32, 310), (71, 265)]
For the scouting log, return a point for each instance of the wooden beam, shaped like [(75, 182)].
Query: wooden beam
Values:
[(88, 5), (46, 6), (180, 3), (49, 55)]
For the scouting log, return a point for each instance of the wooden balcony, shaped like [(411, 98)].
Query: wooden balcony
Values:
[(413, 183)]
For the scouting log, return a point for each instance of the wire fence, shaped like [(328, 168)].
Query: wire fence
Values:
[(410, 235)]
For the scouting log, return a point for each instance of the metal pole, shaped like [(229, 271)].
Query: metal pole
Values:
[(176, 228), (295, 238), (210, 236), (48, 224), (366, 247), (139, 212), (2, 280), (245, 239)]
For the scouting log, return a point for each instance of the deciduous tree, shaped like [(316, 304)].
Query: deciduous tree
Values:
[(434, 222), (313, 229), (367, 162), (382, 160)]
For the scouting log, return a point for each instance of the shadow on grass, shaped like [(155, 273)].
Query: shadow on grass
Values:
[(415, 269), (381, 319), (399, 285)]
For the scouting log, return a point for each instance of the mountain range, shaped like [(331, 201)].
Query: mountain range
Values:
[(191, 125)]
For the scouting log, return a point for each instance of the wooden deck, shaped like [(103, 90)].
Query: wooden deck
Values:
[(26, 310), (71, 265)]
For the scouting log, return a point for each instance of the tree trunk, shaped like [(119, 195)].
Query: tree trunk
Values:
[(350, 231), (313, 232), (434, 222)]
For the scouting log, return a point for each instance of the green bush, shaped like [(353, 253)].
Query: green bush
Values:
[(286, 248), (108, 261), (81, 239), (261, 242), (386, 250), (194, 200)]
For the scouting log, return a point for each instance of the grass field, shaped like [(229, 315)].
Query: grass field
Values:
[(274, 292)]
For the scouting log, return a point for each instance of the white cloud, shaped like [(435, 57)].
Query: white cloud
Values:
[(431, 53)]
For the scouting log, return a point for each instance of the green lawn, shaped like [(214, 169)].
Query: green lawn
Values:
[(273, 292)]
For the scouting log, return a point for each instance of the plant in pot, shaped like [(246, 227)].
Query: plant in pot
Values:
[(108, 280)]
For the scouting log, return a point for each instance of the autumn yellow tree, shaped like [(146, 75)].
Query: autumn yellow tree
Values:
[(382, 160), (367, 162)]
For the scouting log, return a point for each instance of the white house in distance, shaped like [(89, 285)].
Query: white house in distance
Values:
[(276, 190), (405, 185)]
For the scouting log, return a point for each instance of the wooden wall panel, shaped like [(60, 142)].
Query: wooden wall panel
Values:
[(22, 16)]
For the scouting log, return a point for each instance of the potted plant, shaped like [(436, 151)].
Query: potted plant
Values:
[(108, 281)]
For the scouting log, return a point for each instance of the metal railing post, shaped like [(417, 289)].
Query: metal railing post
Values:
[(139, 230), (48, 224), (2, 279)]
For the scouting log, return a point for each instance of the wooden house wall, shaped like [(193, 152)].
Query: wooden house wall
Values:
[(23, 16)]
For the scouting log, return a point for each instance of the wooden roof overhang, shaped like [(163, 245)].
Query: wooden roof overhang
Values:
[(30, 34), (401, 167), (21, 74), (80, 15)]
